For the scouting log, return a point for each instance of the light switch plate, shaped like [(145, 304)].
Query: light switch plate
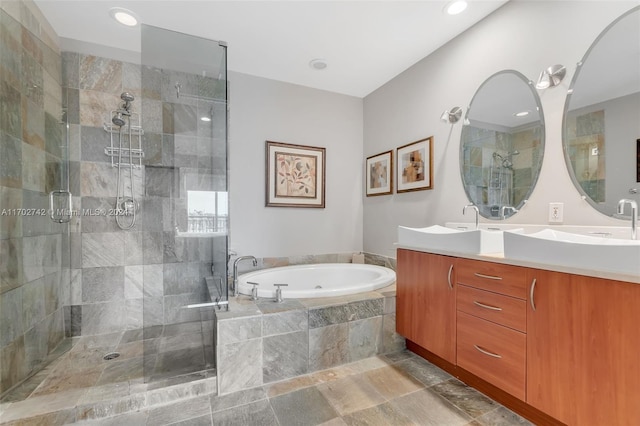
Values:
[(556, 212)]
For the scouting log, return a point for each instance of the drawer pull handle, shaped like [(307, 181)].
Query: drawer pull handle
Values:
[(449, 277), (482, 305), (489, 277), (486, 352), (531, 293)]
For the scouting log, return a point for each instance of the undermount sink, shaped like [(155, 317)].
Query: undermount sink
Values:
[(574, 250), (478, 241)]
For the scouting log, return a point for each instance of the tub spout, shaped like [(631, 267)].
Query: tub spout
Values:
[(235, 271)]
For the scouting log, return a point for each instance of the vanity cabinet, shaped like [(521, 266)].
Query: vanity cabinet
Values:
[(583, 347), (425, 301), (555, 347), (491, 323)]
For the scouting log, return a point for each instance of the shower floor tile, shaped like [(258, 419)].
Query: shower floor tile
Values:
[(174, 354)]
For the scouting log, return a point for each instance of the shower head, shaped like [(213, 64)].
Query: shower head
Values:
[(127, 97), (118, 120)]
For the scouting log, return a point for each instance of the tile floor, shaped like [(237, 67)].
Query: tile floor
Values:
[(395, 389)]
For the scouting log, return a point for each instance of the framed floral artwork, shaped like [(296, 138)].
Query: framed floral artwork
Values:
[(415, 166), (379, 174), (295, 175)]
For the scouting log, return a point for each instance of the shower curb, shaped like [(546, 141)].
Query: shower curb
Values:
[(137, 401)]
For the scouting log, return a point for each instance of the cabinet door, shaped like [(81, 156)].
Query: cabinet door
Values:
[(425, 310), (582, 349)]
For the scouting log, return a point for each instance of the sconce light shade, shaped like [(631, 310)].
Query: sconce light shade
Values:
[(551, 77), (452, 115)]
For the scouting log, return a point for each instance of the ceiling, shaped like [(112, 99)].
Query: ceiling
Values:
[(365, 43)]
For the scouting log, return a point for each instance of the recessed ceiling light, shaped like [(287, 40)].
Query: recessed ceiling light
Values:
[(318, 64), (521, 113), (455, 7), (124, 16), (205, 118)]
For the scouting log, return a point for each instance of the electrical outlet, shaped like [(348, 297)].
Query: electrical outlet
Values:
[(556, 212)]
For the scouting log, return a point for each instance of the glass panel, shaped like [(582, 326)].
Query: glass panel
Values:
[(185, 206), (34, 250)]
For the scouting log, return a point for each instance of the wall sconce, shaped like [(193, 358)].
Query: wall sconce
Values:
[(452, 115), (551, 76)]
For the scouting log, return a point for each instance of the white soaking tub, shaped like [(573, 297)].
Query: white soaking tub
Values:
[(317, 280)]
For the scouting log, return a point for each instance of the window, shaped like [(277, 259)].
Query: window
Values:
[(208, 211)]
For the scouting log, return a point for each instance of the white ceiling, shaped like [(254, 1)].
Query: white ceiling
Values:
[(366, 43)]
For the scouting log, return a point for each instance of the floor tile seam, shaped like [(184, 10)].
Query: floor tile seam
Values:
[(447, 403), (339, 414), (273, 411), (191, 418), (496, 408), (239, 405)]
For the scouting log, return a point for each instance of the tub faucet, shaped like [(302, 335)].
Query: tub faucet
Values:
[(634, 215), (503, 210), (475, 209), (235, 271), (279, 292)]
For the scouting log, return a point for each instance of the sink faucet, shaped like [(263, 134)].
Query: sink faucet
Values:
[(634, 214), (503, 210), (474, 208), (235, 271)]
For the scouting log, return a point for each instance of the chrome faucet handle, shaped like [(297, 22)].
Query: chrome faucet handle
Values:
[(279, 292), (254, 290)]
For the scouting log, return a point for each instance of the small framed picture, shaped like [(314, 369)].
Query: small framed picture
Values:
[(415, 166), (379, 174), (295, 175)]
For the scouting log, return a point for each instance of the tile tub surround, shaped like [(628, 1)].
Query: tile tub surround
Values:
[(394, 389), (264, 342)]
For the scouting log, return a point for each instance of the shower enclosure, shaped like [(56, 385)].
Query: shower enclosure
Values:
[(113, 208)]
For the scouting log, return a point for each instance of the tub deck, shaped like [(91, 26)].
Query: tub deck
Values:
[(265, 342)]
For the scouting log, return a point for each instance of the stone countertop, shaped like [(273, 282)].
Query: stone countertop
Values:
[(499, 258)]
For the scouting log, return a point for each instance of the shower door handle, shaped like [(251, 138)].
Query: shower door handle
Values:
[(60, 215)]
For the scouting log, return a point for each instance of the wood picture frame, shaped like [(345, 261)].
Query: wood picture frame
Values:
[(379, 174), (414, 166), (638, 160), (295, 175)]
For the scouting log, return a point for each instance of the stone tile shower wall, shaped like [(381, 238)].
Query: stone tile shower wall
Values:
[(33, 276), (146, 275)]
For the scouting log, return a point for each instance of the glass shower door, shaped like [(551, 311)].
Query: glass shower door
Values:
[(185, 206), (34, 205)]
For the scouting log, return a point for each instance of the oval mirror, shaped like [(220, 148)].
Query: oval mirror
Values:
[(601, 124), (502, 144)]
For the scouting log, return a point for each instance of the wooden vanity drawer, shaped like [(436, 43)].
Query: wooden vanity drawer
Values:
[(503, 310), (492, 352), (498, 278)]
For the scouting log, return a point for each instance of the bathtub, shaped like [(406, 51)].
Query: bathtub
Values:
[(317, 280)]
